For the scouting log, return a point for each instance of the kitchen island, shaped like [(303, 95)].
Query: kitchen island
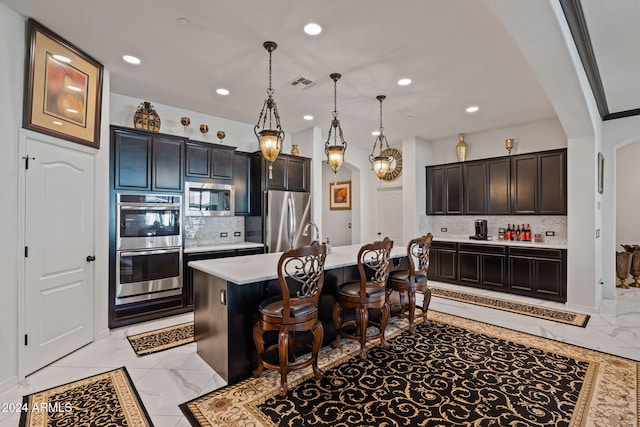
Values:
[(229, 290)]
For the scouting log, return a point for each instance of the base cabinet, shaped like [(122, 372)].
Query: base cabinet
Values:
[(540, 273)]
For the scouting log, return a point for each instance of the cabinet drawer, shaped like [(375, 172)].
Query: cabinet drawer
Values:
[(485, 249), (537, 253), (444, 245)]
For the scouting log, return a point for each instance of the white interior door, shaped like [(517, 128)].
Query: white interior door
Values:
[(391, 216), (58, 276)]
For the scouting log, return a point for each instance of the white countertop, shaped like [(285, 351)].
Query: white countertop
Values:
[(255, 268), (222, 247), (466, 239)]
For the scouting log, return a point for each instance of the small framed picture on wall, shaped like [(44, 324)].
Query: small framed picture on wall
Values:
[(340, 195)]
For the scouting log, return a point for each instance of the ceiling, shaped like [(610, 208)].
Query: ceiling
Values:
[(455, 52)]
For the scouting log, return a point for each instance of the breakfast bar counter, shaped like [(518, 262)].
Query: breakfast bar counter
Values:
[(229, 290)]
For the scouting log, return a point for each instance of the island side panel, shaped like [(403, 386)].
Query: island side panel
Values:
[(211, 323)]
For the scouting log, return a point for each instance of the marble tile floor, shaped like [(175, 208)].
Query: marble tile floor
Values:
[(166, 379)]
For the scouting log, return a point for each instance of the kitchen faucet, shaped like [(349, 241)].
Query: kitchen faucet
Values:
[(316, 231)]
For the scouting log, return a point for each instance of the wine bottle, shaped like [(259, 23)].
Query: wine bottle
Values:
[(518, 233), (508, 234), (528, 232)]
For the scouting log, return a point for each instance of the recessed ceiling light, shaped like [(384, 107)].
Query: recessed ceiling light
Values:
[(312, 29), (183, 21), (131, 59), (375, 133), (62, 58), (472, 109), (404, 82), (307, 117), (222, 91)]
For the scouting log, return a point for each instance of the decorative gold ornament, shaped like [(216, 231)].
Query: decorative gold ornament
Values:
[(508, 144)]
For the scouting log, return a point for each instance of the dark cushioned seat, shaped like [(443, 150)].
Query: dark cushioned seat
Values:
[(403, 276), (353, 290), (273, 307)]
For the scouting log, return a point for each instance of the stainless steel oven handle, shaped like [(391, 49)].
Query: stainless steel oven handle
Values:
[(150, 207), (153, 252)]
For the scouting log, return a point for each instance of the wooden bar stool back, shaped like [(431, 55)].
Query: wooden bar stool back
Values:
[(301, 276), (368, 293), (414, 279)]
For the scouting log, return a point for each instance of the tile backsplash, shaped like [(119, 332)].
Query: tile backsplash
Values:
[(209, 230), (463, 225)]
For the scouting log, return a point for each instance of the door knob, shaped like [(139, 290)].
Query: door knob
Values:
[(91, 258)]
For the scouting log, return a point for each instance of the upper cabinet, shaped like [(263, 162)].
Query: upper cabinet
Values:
[(144, 160), (444, 190), (242, 182), (206, 160), (526, 184), (289, 173)]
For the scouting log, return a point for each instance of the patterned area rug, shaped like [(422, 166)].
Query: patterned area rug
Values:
[(107, 399), (562, 316), (161, 339), (452, 372)]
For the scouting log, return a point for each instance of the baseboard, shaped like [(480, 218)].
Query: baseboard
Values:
[(102, 334)]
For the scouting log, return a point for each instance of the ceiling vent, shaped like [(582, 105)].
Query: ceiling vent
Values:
[(302, 82)]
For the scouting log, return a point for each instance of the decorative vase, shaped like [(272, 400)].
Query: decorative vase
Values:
[(635, 264), (294, 150), (146, 117), (220, 134), (204, 129), (461, 148), (623, 265)]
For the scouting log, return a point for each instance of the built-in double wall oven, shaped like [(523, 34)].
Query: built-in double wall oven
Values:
[(148, 247)]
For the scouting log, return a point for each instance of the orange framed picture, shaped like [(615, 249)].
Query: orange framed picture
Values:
[(340, 195), (63, 89)]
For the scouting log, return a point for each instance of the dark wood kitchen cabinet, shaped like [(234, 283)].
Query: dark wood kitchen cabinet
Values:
[(443, 261), (206, 160), (289, 173), (475, 187), (242, 182), (482, 265), (499, 186), (538, 272), (552, 183), (526, 184), (444, 190), (144, 160)]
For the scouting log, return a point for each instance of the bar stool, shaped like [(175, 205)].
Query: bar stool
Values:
[(301, 276), (414, 279), (368, 293)]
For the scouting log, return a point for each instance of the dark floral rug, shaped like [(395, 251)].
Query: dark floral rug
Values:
[(451, 372)]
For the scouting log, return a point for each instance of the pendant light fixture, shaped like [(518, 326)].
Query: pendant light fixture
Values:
[(268, 130), (335, 152), (380, 164)]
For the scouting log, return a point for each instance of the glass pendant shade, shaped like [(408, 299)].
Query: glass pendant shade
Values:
[(335, 157), (461, 148), (335, 152), (268, 130), (380, 166)]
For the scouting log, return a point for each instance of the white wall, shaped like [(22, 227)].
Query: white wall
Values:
[(335, 223), (12, 51), (627, 195), (529, 137)]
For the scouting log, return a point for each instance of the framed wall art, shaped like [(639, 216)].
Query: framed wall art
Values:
[(63, 88), (340, 195), (600, 173)]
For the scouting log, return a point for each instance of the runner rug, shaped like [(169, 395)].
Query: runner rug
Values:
[(451, 372), (562, 316), (161, 339), (107, 399)]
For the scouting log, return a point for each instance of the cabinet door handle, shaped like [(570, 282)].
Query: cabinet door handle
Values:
[(223, 297)]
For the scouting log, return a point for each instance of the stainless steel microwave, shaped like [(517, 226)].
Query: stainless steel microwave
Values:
[(208, 199)]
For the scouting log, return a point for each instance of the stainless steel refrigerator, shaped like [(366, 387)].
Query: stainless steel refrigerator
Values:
[(286, 216)]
